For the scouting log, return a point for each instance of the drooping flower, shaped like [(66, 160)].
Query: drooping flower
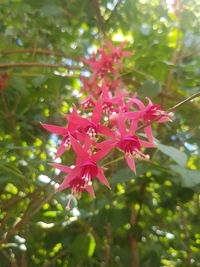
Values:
[(117, 52), (111, 103), (92, 87), (77, 185), (90, 127), (86, 162), (64, 131), (151, 112), (86, 169), (107, 62), (127, 141), (87, 103)]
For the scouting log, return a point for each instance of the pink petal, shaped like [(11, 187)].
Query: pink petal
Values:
[(54, 129), (148, 132), (77, 121), (73, 113), (121, 125), (101, 153), (105, 131), (90, 191), (105, 91), (126, 54), (80, 152), (133, 127), (163, 119), (97, 113), (131, 163), (110, 46), (65, 184), (61, 150), (62, 168), (133, 115), (146, 144), (87, 143), (105, 144), (149, 102), (137, 102), (102, 178)]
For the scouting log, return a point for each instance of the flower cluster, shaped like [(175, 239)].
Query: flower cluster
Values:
[(108, 118)]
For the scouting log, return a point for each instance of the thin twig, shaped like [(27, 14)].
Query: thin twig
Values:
[(170, 110), (36, 64), (183, 102), (37, 51)]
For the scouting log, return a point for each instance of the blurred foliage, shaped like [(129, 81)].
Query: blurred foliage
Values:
[(150, 219)]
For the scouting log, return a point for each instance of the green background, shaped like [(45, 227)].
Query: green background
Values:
[(150, 219)]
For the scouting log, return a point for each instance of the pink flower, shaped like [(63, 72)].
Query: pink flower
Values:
[(147, 114), (65, 143), (80, 177), (109, 101), (128, 142), (117, 53), (77, 185), (86, 167), (91, 87), (90, 127), (107, 62), (87, 103)]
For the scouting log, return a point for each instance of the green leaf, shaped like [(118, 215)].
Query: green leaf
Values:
[(126, 174), (189, 178), (123, 175), (38, 81), (19, 84), (83, 246), (150, 89), (177, 155)]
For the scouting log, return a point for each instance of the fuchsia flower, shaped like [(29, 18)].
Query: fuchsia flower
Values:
[(107, 62), (91, 86), (128, 142), (80, 177), (77, 184), (87, 103), (103, 95), (109, 102), (117, 53), (90, 127), (65, 143), (147, 114)]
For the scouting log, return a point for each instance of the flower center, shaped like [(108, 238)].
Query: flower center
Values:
[(87, 103), (91, 130), (107, 107), (131, 147), (89, 171), (67, 142)]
